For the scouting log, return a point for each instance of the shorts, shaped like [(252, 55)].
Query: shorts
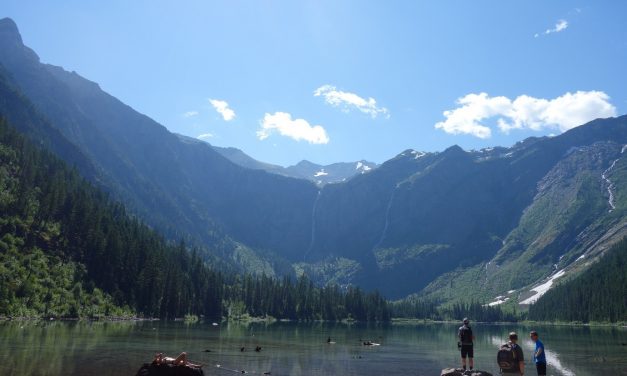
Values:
[(467, 351), (541, 368)]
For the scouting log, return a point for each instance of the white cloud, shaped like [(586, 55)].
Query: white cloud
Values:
[(561, 25), (525, 112), (190, 114), (223, 109), (204, 136), (348, 101), (297, 129)]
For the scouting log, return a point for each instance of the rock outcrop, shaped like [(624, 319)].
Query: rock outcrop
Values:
[(461, 372), (153, 369)]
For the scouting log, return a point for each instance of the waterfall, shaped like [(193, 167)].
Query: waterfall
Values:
[(387, 221), (610, 185), (313, 226)]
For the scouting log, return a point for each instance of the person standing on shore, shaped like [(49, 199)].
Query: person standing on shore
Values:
[(539, 357), (510, 357), (465, 344)]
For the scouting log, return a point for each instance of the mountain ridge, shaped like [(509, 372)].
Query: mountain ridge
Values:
[(319, 174), (130, 152), (420, 222)]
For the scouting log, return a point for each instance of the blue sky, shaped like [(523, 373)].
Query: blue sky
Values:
[(335, 81)]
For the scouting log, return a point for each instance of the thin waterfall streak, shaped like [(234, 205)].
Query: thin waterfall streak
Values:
[(387, 221), (609, 183), (313, 227)]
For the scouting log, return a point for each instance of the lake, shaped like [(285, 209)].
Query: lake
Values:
[(119, 348)]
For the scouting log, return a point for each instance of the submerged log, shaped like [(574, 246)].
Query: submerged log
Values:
[(461, 372), (153, 369)]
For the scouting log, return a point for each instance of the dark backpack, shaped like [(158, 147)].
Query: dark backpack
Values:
[(465, 335), (506, 357)]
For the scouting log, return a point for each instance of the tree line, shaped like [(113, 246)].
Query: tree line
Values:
[(428, 309), (68, 250), (599, 294)]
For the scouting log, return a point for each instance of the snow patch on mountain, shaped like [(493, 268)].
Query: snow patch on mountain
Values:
[(418, 154), (543, 288), (363, 167), (321, 173), (498, 300)]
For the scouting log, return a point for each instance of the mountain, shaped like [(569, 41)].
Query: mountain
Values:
[(181, 188), (242, 159), (575, 214), (68, 251), (332, 173), (496, 225), (319, 174), (475, 225)]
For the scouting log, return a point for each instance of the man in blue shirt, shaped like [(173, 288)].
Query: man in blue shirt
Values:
[(538, 355)]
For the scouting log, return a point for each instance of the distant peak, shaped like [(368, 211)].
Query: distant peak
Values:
[(15, 53), (9, 30), (306, 163), (455, 149)]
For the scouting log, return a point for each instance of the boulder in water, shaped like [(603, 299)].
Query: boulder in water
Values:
[(153, 369), (461, 372)]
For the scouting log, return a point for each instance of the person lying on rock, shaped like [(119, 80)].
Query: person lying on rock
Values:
[(180, 360)]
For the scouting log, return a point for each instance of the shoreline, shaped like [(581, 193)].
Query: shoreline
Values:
[(394, 321), (77, 319), (401, 321)]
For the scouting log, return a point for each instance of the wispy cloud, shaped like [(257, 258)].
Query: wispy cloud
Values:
[(204, 136), (348, 101), (561, 25), (297, 129), (223, 109), (190, 114), (525, 112)]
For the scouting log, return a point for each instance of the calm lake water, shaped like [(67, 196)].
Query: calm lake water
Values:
[(61, 348)]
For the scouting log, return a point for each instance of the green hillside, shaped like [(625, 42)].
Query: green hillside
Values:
[(569, 216), (599, 294), (67, 250)]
